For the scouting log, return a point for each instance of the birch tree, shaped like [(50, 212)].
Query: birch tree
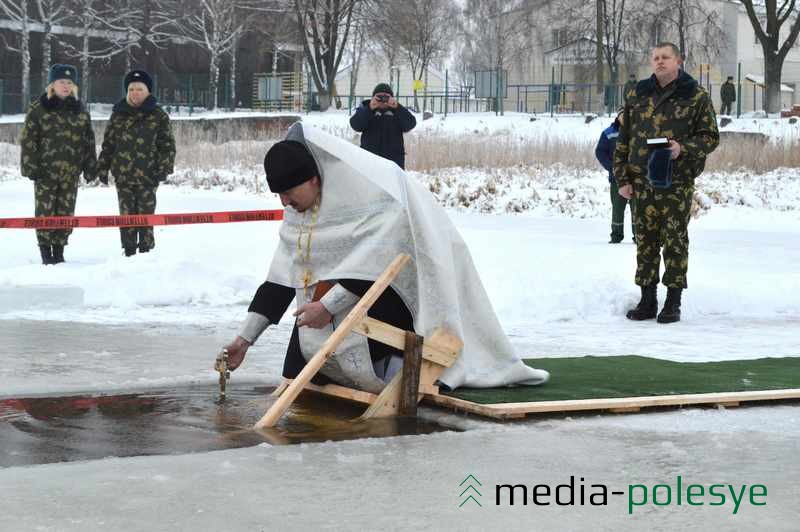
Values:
[(17, 11), (51, 13), (215, 26)]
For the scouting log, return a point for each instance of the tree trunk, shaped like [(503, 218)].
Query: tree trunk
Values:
[(234, 48), (25, 53), (324, 100), (773, 65), (86, 83), (46, 52), (213, 76)]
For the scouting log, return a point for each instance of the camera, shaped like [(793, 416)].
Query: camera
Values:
[(383, 98)]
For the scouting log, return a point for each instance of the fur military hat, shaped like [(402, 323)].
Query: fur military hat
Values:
[(63, 72), (288, 163), (139, 76), (382, 87)]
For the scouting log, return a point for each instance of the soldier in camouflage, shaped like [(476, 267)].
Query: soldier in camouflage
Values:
[(139, 150), (670, 104), (57, 144)]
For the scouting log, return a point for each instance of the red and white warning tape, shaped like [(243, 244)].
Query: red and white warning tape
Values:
[(139, 220)]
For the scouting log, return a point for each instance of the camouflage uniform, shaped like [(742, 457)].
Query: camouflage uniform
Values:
[(139, 150), (681, 111), (57, 144)]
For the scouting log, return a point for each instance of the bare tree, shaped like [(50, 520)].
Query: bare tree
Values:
[(147, 26), (770, 39), (698, 29), (97, 25), (17, 12), (325, 26), (215, 25), (416, 26), (495, 31), (51, 13)]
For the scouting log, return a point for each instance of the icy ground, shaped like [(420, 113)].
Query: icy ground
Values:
[(157, 320)]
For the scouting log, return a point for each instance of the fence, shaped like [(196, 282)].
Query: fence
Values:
[(175, 90), (192, 91)]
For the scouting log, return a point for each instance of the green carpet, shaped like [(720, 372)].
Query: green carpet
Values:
[(634, 376)]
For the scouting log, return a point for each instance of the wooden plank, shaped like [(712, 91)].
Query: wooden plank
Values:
[(280, 406), (624, 409), (281, 387), (343, 392), (443, 349), (387, 404), (409, 388), (506, 410)]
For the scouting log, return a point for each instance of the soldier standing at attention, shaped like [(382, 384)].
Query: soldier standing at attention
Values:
[(139, 150), (727, 94), (57, 144), (670, 104)]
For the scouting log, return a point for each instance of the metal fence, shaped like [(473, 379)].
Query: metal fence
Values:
[(189, 91)]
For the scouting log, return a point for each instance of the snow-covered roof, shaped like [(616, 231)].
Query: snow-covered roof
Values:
[(759, 80)]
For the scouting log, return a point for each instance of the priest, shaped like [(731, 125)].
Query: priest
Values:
[(348, 214)]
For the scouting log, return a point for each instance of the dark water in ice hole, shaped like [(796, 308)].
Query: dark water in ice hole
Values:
[(181, 420)]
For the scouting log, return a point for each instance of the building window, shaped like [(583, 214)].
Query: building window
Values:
[(559, 37)]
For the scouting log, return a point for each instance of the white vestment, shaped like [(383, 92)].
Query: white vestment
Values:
[(371, 211)]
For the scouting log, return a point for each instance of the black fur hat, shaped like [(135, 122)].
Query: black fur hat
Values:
[(138, 76), (288, 163)]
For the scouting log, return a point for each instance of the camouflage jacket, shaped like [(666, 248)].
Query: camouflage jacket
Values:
[(138, 147), (682, 111), (57, 140)]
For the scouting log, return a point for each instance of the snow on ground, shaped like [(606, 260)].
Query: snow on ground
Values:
[(557, 286), (157, 320)]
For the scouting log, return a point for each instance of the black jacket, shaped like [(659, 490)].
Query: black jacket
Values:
[(382, 130)]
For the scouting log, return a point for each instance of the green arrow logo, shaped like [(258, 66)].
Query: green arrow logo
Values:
[(469, 487)]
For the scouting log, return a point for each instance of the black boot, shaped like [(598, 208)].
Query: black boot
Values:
[(130, 251), (648, 305), (58, 254), (672, 307), (47, 254)]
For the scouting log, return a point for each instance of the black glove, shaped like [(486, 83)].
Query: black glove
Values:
[(158, 179), (103, 178), (32, 178), (89, 177)]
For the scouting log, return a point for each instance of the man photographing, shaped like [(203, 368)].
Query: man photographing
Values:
[(381, 120), (672, 109)]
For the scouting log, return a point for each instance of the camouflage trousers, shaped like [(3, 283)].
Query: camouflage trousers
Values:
[(55, 197), (661, 218), (137, 199)]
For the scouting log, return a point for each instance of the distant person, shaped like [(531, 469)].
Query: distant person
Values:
[(727, 94), (139, 150), (57, 144), (630, 88), (605, 155), (382, 121), (668, 109)]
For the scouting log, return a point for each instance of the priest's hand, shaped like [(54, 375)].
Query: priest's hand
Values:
[(236, 351), (313, 315)]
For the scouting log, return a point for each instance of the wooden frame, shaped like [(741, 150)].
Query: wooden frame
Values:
[(436, 353), (619, 405)]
